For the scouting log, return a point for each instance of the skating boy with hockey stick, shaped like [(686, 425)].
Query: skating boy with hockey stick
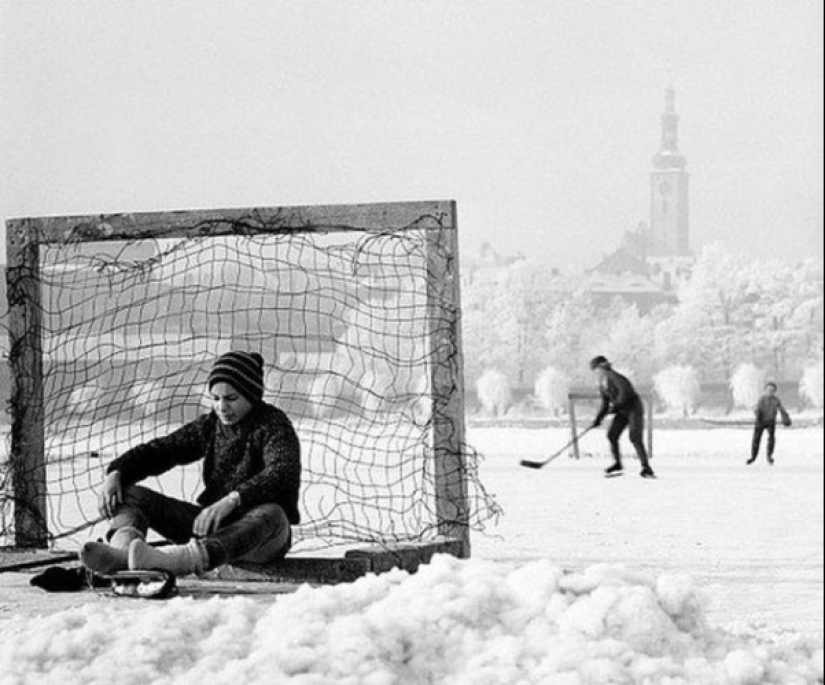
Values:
[(620, 398), (767, 408), (251, 472)]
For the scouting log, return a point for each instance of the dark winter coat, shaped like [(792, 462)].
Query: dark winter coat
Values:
[(767, 409), (259, 458), (618, 395)]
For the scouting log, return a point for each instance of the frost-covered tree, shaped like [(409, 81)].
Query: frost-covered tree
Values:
[(487, 344), (747, 385), (504, 321), (538, 295), (551, 389), (811, 385), (787, 314), (767, 311), (570, 335), (629, 340), (678, 387), (731, 308), (493, 390), (377, 356), (711, 325)]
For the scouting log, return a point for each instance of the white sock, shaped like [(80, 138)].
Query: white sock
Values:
[(180, 560)]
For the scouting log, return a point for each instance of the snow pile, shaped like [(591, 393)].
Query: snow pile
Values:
[(453, 622)]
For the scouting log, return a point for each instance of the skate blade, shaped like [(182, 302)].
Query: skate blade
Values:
[(617, 474), (143, 584)]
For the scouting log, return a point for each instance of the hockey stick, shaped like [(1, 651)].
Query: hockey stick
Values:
[(539, 464)]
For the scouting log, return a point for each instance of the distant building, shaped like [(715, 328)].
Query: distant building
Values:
[(486, 267), (627, 275), (655, 259), (669, 228)]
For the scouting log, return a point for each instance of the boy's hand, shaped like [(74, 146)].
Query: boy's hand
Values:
[(111, 495), (209, 520)]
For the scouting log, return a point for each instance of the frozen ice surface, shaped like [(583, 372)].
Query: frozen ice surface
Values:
[(710, 574)]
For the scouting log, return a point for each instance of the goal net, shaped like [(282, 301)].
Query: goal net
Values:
[(115, 323)]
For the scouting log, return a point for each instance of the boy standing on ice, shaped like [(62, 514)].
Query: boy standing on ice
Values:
[(767, 408), (620, 398)]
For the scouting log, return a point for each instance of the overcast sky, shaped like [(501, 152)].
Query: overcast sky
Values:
[(539, 118)]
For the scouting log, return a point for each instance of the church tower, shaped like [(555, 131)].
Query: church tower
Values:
[(669, 190)]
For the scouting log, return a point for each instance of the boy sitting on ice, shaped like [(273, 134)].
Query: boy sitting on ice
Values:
[(251, 469)]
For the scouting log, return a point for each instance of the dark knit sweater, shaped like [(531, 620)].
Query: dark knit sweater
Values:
[(767, 408), (618, 395), (260, 458)]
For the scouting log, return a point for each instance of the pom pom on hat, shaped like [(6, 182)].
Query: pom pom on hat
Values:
[(244, 371)]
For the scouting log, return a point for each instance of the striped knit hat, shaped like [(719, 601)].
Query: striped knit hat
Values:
[(244, 371)]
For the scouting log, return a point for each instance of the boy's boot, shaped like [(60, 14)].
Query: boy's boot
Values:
[(103, 558), (179, 560)]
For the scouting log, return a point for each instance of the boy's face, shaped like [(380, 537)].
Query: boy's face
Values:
[(770, 390), (230, 406), (600, 372)]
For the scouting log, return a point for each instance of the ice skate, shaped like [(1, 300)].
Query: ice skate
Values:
[(614, 471), (647, 472), (143, 584)]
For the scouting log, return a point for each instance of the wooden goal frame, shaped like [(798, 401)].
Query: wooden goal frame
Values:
[(26, 235)]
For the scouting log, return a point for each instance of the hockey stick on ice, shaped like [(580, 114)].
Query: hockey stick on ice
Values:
[(539, 464)]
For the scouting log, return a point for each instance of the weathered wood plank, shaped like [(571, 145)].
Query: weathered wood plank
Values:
[(27, 455), (447, 384), (392, 216), (352, 565)]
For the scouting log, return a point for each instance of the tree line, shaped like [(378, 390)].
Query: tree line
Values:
[(731, 312)]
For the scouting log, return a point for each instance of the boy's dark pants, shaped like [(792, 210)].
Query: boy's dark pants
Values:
[(758, 429), (632, 418), (260, 535)]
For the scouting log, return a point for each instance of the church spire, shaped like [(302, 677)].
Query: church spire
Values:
[(669, 189), (668, 156)]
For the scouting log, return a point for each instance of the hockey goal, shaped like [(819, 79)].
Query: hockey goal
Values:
[(114, 322)]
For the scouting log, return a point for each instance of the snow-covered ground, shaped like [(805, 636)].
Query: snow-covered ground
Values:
[(751, 536), (711, 574)]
